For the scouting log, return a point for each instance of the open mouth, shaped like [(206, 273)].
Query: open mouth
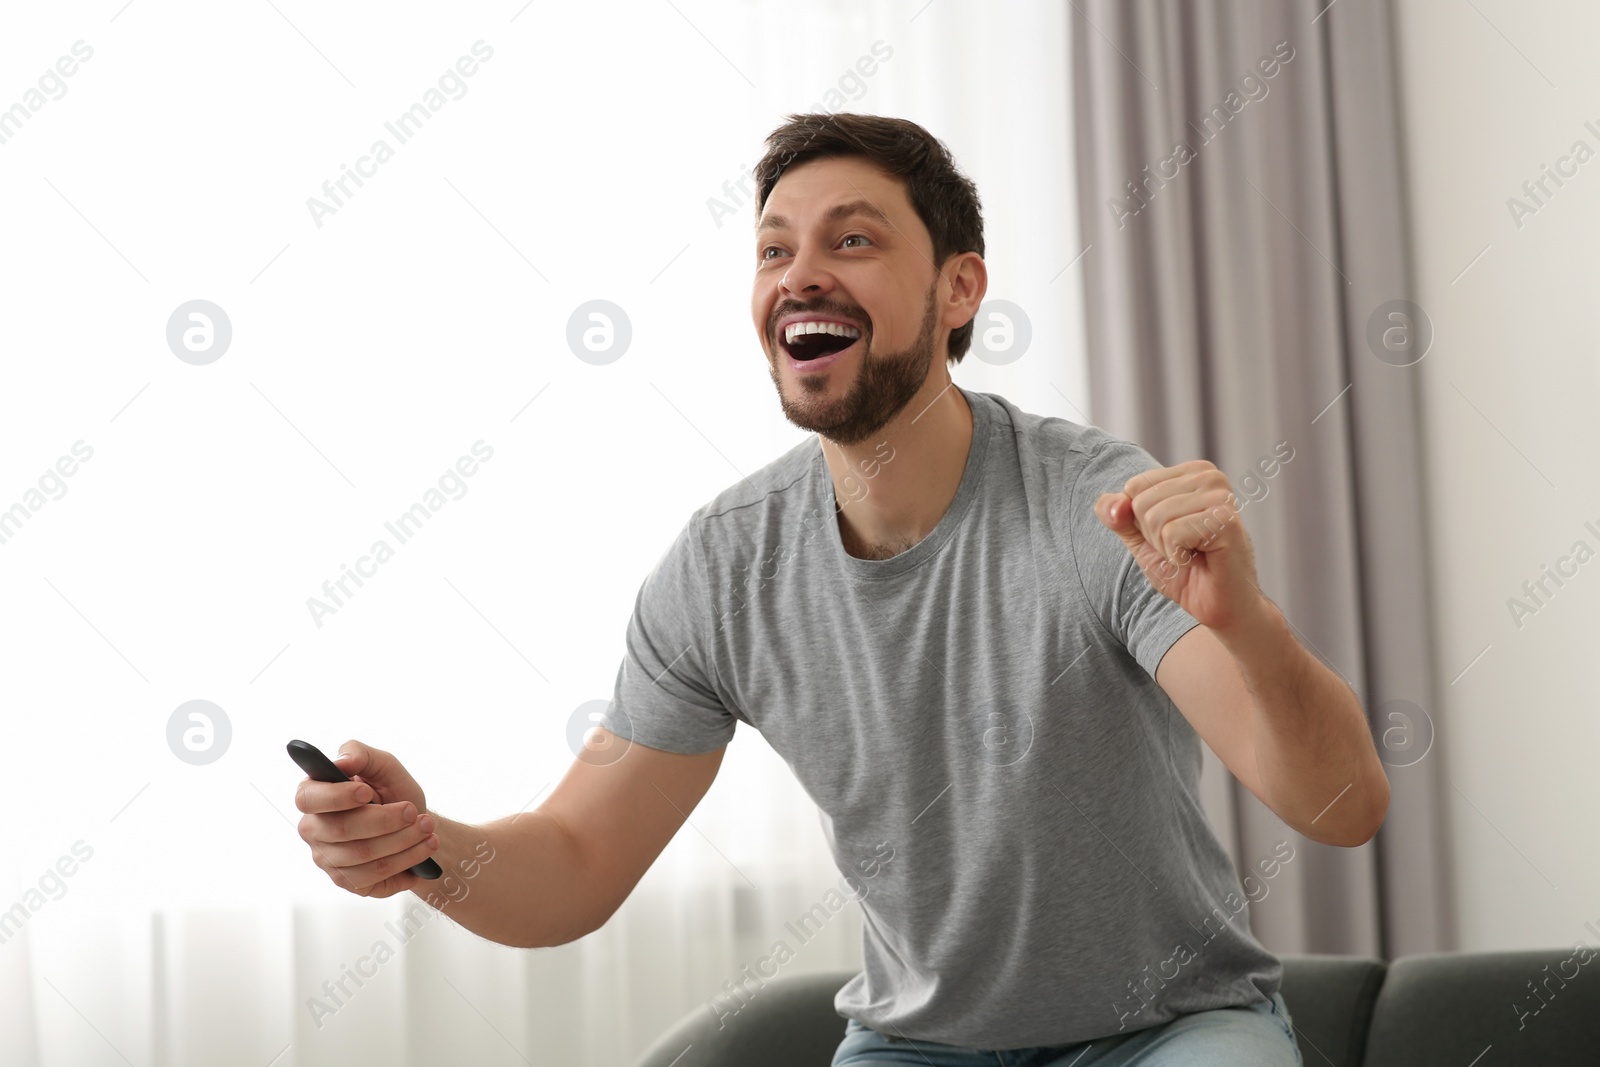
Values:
[(807, 341)]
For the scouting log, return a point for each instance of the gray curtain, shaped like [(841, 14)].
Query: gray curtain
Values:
[(1233, 292)]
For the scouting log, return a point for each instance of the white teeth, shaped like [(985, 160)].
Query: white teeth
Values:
[(838, 329)]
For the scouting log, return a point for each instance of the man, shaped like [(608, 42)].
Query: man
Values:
[(987, 642)]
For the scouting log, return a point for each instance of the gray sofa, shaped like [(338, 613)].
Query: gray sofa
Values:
[(1454, 1010)]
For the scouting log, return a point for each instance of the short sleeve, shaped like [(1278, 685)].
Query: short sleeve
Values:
[(664, 691), (1137, 614)]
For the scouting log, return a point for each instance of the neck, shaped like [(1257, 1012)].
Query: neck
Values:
[(893, 488)]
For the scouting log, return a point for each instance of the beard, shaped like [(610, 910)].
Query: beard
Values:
[(884, 385)]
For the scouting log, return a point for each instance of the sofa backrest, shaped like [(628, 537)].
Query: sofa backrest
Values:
[(788, 1022), (1330, 1000), (1487, 1008)]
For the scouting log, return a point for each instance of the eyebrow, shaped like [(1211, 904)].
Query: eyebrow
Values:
[(836, 213)]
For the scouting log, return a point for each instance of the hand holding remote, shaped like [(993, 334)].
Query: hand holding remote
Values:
[(365, 819)]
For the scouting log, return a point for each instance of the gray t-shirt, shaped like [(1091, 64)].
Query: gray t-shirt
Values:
[(1011, 796)]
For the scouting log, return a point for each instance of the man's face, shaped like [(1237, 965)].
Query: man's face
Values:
[(816, 260)]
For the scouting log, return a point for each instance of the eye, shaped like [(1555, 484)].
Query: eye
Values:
[(763, 257)]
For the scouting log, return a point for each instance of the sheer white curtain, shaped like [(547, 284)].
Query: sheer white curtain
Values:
[(386, 335)]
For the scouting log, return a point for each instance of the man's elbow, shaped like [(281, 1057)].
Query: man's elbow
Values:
[(1359, 830)]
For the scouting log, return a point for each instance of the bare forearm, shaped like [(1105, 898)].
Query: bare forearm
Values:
[(1314, 752), (517, 880)]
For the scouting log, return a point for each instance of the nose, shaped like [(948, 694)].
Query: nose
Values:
[(805, 275)]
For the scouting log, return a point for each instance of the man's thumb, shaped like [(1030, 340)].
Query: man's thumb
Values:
[(1115, 512), (354, 758)]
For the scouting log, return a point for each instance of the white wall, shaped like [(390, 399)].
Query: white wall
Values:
[(1491, 92)]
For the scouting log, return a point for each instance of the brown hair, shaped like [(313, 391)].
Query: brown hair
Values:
[(945, 199)]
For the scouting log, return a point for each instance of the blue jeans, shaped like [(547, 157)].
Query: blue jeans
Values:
[(1258, 1035)]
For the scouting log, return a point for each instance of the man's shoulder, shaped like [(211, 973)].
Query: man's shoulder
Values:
[(766, 495), (1061, 446)]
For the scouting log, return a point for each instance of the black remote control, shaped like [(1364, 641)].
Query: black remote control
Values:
[(320, 768)]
